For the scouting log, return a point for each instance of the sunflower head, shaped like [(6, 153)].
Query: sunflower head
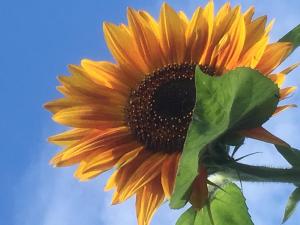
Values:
[(133, 114)]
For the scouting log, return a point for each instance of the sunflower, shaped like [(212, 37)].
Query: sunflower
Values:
[(133, 115)]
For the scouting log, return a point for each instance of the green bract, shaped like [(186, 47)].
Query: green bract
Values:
[(293, 36)]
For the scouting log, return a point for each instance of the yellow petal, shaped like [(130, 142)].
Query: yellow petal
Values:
[(115, 179), (228, 59), (146, 40), (83, 175), (69, 137), (62, 89), (107, 74), (218, 49), (58, 161), (124, 173), (290, 68), (90, 116), (263, 135), (128, 157), (273, 56), (255, 32), (102, 160), (208, 13), (285, 92), (184, 19), (197, 35), (124, 49), (172, 35), (220, 38), (148, 199), (80, 85), (278, 78), (144, 173), (98, 141), (249, 14), (111, 182), (223, 22), (151, 22), (108, 155), (168, 174), (59, 104)]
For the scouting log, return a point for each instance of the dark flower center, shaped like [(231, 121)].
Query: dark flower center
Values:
[(160, 109)]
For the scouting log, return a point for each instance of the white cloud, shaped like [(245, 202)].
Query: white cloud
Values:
[(51, 196), (48, 196)]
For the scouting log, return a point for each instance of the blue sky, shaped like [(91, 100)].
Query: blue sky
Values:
[(38, 39)]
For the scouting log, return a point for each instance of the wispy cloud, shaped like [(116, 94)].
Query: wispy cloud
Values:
[(48, 196)]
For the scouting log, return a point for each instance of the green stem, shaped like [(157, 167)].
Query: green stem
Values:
[(237, 171)]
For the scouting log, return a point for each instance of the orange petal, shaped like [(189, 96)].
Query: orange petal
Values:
[(290, 68), (124, 173), (278, 78), (148, 199), (111, 182), (255, 32), (82, 175), (58, 161), (124, 49), (199, 193), (151, 22), (104, 155), (107, 74), (229, 57), (128, 157), (102, 160), (249, 14), (90, 116), (208, 13), (254, 54), (59, 104), (197, 36), (172, 34), (263, 135), (69, 137), (146, 172), (168, 173), (283, 108), (285, 92), (95, 140), (79, 84), (146, 40), (184, 19), (273, 56)]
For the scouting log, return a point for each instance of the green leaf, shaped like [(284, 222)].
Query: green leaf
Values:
[(240, 99), (187, 218), (227, 208), (291, 155), (293, 36), (291, 204)]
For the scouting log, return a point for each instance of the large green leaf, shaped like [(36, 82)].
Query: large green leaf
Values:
[(293, 36), (187, 218), (240, 99), (291, 205), (226, 207)]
